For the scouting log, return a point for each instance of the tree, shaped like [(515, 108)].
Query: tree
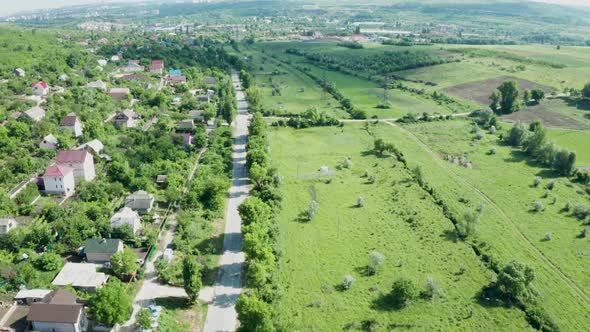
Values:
[(254, 210), (586, 90), (527, 96), (49, 262), (254, 314), (564, 162), (124, 263), (144, 318), (403, 291), (495, 98), (467, 226), (517, 135), (111, 304), (515, 280), (347, 282), (537, 95), (509, 102), (376, 260), (191, 275)]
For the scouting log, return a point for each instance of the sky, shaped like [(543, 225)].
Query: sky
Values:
[(11, 6)]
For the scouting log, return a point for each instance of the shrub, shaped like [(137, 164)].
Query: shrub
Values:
[(403, 292), (144, 318), (376, 260), (312, 210), (584, 232), (581, 211), (538, 206), (360, 202), (432, 289), (537, 181), (548, 237), (550, 185), (492, 151), (347, 281)]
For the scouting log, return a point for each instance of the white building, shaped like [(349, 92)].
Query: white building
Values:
[(126, 216), (40, 88), (7, 224), (80, 160), (72, 123), (59, 180), (97, 85), (35, 113), (49, 142), (81, 276)]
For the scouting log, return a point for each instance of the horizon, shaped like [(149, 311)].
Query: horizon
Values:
[(32, 5)]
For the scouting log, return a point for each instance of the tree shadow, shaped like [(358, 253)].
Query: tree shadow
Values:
[(385, 302), (450, 235), (302, 218), (172, 303), (490, 297), (578, 103), (364, 271)]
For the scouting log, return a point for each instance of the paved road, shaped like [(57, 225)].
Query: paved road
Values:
[(222, 315)]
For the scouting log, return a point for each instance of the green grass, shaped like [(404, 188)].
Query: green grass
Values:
[(337, 242), (510, 231), (573, 140)]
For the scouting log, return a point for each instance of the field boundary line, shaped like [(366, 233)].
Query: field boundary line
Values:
[(571, 284)]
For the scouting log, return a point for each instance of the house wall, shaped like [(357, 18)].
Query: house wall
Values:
[(40, 91), (55, 327), (60, 186), (76, 129), (89, 171), (47, 145), (98, 258)]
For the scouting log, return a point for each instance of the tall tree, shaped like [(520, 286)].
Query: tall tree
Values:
[(124, 263), (509, 102), (191, 275), (586, 90), (111, 304), (495, 98)]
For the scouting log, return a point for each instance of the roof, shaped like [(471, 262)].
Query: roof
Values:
[(32, 293), (139, 200), (209, 80), (6, 221), (195, 114), (59, 306), (129, 113), (175, 72), (58, 171), (35, 112), (157, 64), (189, 123), (132, 77), (69, 120), (97, 84), (102, 246), (50, 139), (80, 275), (95, 145), (72, 156), (177, 78), (119, 90), (41, 85)]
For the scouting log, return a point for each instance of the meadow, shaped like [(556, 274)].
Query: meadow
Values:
[(398, 219)]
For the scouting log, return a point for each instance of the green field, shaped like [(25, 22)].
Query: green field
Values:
[(574, 140), (399, 220)]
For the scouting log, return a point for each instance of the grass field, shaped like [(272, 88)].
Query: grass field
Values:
[(573, 140), (502, 182), (399, 220)]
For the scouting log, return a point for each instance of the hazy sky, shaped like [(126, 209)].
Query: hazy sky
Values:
[(11, 6)]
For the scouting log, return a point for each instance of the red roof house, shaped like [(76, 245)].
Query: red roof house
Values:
[(80, 160), (40, 88)]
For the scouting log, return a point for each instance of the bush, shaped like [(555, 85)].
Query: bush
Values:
[(538, 206), (360, 202), (347, 282), (548, 237), (581, 211), (432, 289), (376, 260), (48, 262), (403, 292), (551, 185), (537, 181)]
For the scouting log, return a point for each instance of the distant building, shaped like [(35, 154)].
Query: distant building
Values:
[(29, 296), (196, 115), (19, 72), (140, 201), (184, 125), (100, 251), (102, 62), (59, 180), (35, 113), (204, 98), (119, 93), (127, 118), (115, 58), (97, 85), (174, 72), (63, 77), (80, 160), (157, 66), (132, 67), (176, 79), (95, 146), (58, 311), (49, 142), (6, 225), (40, 88), (209, 80), (72, 123), (135, 78), (126, 216)]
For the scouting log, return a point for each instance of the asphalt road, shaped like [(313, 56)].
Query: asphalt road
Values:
[(222, 315)]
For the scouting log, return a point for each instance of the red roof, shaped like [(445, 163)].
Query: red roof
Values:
[(157, 64), (69, 121), (72, 156), (40, 84), (58, 171)]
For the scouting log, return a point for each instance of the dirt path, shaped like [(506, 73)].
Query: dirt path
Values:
[(571, 284)]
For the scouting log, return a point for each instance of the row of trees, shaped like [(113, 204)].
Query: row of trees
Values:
[(533, 141), (505, 99)]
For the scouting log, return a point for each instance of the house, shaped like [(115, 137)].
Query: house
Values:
[(187, 139), (49, 142), (6, 225), (72, 123), (161, 178), (82, 276), (157, 66), (102, 62), (80, 160), (100, 251), (196, 115), (29, 296), (63, 77), (40, 88), (132, 67), (19, 72), (97, 85), (126, 216), (58, 311), (209, 80), (127, 118), (176, 79), (119, 93), (136, 78), (35, 113), (103, 41), (115, 58), (203, 98), (59, 180), (185, 125), (95, 146), (174, 72), (140, 201)]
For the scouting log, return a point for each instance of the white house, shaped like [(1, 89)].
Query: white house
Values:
[(133, 67), (59, 180), (41, 88), (35, 113), (115, 58), (72, 123), (95, 146), (19, 72), (80, 160), (6, 224), (127, 118), (58, 311), (140, 201), (126, 216), (97, 85), (49, 142), (102, 62), (82, 276)]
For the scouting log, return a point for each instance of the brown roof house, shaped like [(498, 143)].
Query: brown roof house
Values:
[(140, 201), (72, 123), (176, 79), (119, 93), (127, 118), (58, 311), (100, 251)]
